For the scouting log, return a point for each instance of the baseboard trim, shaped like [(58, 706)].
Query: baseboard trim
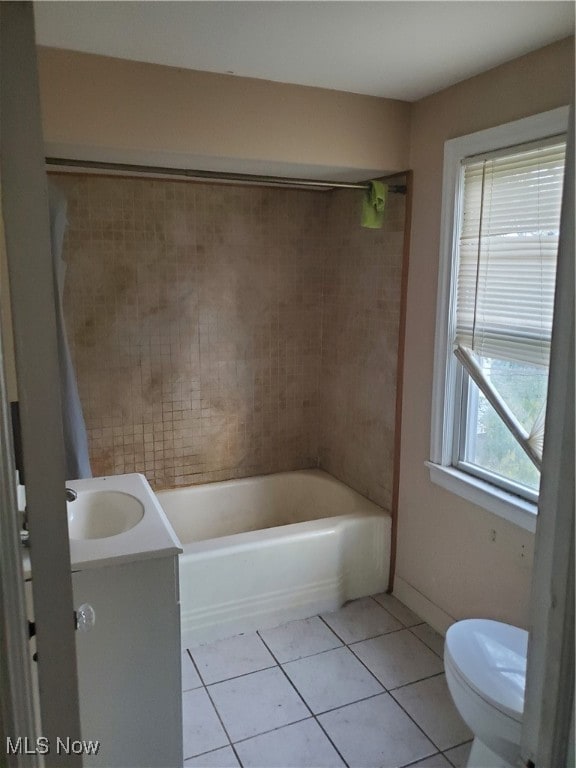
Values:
[(422, 606)]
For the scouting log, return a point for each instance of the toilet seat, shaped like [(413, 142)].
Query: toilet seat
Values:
[(490, 657)]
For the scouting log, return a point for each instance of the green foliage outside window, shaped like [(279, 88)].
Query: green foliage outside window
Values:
[(523, 387)]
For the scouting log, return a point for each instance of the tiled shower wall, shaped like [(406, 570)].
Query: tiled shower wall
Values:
[(361, 311), (195, 318)]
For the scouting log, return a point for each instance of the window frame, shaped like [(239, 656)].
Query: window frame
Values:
[(446, 411)]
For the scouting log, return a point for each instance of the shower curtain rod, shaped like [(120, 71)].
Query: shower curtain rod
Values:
[(215, 175)]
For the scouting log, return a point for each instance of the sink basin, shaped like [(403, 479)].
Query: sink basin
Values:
[(101, 514)]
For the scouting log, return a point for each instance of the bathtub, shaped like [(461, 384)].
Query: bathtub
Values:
[(264, 550)]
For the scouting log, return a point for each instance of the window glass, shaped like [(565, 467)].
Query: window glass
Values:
[(487, 443)]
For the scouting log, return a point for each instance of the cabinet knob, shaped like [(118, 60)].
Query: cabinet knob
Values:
[(84, 617)]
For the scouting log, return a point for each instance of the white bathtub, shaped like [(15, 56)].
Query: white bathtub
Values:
[(264, 550)]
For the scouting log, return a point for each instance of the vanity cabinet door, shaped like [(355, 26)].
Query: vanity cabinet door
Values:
[(129, 664)]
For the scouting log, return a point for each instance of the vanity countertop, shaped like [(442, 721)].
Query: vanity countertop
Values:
[(151, 537)]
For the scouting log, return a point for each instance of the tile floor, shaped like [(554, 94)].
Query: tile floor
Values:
[(363, 686)]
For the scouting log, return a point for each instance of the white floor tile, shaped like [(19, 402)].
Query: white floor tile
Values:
[(303, 745), (436, 761), (202, 730), (271, 724), (300, 638), (190, 678), (331, 679), (429, 703), (429, 636), (234, 656), (361, 619), (458, 756), (256, 703), (404, 615), (220, 758), (398, 658), (376, 732)]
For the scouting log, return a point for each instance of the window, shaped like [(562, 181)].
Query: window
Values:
[(501, 216)]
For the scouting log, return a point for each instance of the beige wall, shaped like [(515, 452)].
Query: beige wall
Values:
[(446, 549), (98, 106), (195, 316)]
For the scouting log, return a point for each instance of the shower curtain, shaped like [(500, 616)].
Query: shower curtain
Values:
[(75, 437)]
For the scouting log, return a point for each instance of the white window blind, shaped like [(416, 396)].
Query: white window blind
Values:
[(507, 252)]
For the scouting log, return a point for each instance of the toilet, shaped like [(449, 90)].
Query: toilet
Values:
[(485, 665)]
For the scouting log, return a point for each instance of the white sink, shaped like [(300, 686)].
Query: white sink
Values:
[(101, 514), (117, 519)]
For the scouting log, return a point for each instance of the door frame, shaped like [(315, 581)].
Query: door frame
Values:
[(32, 299), (17, 713), (547, 726)]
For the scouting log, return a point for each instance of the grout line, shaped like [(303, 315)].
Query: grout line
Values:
[(194, 688), (309, 709), (413, 682), (461, 744), (322, 619), (406, 626), (448, 749), (221, 722), (271, 730), (186, 690), (396, 618), (203, 754), (368, 669), (217, 713), (290, 681), (196, 667), (392, 632), (311, 655), (350, 703), (240, 763), (415, 762), (423, 641), (371, 637), (375, 637), (416, 724), (237, 677)]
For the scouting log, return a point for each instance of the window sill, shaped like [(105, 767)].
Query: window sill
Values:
[(517, 511)]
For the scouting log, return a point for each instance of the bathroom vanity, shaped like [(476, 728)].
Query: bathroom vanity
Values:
[(124, 558), (129, 663)]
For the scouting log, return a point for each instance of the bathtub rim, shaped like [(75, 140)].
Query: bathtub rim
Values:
[(320, 474), (362, 506)]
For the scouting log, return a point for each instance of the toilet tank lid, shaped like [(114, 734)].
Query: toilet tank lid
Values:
[(491, 657)]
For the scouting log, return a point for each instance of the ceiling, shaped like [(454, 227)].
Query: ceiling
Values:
[(400, 50)]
